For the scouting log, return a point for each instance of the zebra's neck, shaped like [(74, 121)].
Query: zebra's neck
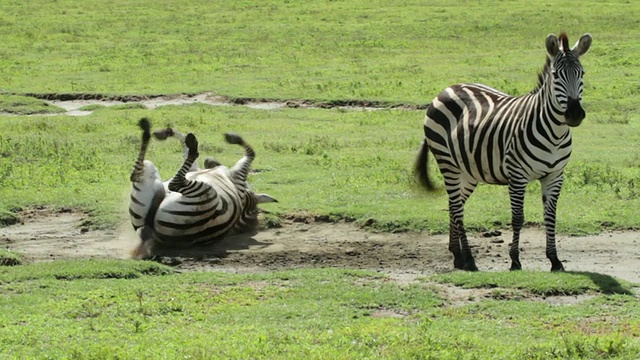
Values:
[(550, 111)]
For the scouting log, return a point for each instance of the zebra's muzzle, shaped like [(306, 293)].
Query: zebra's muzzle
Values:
[(575, 113)]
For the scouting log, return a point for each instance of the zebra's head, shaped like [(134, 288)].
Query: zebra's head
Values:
[(567, 72)]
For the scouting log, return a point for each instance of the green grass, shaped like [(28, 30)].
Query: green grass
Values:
[(399, 51), (83, 269), (85, 313), (328, 162), (354, 164), (127, 106), (24, 105), (10, 258)]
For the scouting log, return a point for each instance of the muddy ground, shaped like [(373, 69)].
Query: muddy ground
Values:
[(302, 243)]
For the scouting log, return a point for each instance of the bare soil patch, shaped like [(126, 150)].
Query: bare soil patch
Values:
[(43, 235), (73, 103)]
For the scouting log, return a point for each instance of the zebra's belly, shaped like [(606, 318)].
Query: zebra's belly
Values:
[(181, 221), (536, 170), (490, 171)]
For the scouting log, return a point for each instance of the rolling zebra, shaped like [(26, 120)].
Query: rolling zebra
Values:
[(195, 207), (481, 135)]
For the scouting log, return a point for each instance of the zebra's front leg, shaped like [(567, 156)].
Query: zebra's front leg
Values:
[(551, 187), (138, 167), (516, 196)]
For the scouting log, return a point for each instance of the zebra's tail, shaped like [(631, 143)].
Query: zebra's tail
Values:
[(422, 166)]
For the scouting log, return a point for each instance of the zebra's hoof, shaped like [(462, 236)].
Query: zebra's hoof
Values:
[(470, 266), (145, 124), (192, 142), (557, 268), (458, 263), (515, 266), (234, 139)]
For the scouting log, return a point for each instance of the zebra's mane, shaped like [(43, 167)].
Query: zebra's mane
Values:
[(564, 41), (542, 75)]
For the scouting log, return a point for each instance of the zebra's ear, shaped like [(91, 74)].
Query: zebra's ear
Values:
[(553, 47), (582, 45)]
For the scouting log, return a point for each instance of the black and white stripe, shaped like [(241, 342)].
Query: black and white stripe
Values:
[(480, 135), (196, 207)]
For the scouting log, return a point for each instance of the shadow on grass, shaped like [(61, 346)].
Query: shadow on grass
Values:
[(606, 283), (219, 249)]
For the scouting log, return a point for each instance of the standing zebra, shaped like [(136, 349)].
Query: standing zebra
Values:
[(481, 135), (195, 207)]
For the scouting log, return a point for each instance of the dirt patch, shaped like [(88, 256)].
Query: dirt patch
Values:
[(46, 235), (73, 103)]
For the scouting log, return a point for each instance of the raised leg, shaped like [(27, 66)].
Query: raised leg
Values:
[(551, 186), (138, 166), (240, 170), (459, 191), (180, 183), (516, 196), (147, 190)]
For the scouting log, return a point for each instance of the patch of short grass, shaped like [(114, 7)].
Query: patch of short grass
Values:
[(540, 283), (353, 165), (311, 313), (8, 217), (393, 51), (25, 105), (128, 106), (83, 269), (10, 258)]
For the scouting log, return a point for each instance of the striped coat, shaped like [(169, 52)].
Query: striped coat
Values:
[(478, 134), (195, 207)]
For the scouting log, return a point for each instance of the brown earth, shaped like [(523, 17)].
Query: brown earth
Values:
[(43, 235)]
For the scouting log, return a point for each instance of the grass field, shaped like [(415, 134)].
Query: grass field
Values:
[(341, 163), (328, 161), (125, 310)]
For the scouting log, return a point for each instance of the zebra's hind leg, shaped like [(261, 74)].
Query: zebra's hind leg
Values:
[(459, 192), (241, 169), (516, 196), (551, 187)]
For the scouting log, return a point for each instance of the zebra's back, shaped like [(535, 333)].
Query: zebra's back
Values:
[(482, 133)]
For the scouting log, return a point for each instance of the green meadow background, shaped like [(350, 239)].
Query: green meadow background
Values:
[(342, 163)]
